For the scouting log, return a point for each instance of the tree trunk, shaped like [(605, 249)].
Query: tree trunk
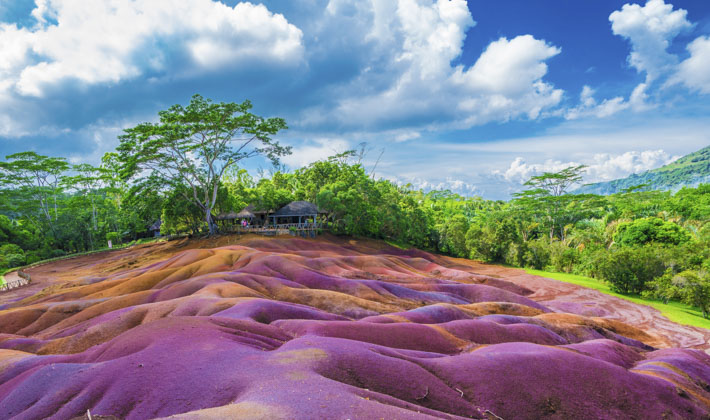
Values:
[(210, 223)]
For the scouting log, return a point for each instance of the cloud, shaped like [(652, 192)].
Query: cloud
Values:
[(455, 185), (317, 149), (650, 30), (694, 72), (588, 106), (408, 79), (113, 41), (602, 166), (520, 171)]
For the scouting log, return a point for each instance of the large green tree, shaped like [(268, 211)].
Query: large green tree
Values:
[(196, 144), (547, 200), (36, 180)]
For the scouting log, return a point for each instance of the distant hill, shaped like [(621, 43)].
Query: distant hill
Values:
[(690, 170)]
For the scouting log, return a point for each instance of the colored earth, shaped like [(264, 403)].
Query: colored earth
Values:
[(333, 328)]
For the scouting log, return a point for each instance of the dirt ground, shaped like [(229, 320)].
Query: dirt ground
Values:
[(564, 297)]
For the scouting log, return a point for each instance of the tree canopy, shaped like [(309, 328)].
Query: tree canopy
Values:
[(196, 144)]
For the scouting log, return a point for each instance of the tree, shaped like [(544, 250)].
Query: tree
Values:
[(36, 177), (547, 199), (627, 270), (695, 289), (195, 145), (650, 229)]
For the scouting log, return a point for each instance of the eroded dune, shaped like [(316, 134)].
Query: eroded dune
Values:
[(293, 328)]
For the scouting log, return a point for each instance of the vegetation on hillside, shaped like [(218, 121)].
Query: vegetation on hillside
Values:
[(653, 243), (689, 170)]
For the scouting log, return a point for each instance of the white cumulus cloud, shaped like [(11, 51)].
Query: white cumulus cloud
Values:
[(452, 184), (415, 43), (318, 149), (109, 41), (602, 166), (694, 72), (650, 30)]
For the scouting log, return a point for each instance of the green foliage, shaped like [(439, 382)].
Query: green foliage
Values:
[(453, 234), (627, 270), (114, 237), (490, 239), (663, 287), (11, 255), (650, 229), (695, 289), (193, 146)]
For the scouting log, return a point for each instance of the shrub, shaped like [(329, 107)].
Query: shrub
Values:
[(650, 229), (56, 253), (537, 254), (695, 289), (8, 249), (113, 237), (627, 270), (663, 287), (562, 257), (514, 255), (12, 260), (589, 261), (32, 257)]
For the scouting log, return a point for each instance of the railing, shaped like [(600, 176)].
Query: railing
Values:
[(24, 279), (277, 227)]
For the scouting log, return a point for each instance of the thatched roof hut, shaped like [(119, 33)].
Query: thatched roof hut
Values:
[(245, 214), (298, 208)]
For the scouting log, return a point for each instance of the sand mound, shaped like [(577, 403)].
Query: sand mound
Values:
[(292, 328)]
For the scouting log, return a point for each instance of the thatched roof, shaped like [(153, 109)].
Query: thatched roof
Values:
[(297, 208), (227, 216), (245, 214)]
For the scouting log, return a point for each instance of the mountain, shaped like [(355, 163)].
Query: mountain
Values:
[(688, 171)]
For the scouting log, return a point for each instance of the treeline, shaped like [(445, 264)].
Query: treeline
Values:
[(641, 242)]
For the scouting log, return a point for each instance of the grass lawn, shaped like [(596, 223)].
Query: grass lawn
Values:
[(675, 311)]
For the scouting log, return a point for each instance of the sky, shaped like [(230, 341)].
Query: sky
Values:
[(475, 97)]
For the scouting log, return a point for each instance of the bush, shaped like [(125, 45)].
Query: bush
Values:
[(537, 254), (32, 257), (562, 257), (8, 249), (627, 270), (56, 253), (113, 237), (650, 229), (514, 255), (665, 287), (12, 260), (695, 289)]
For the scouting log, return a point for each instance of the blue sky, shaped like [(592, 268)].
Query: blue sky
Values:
[(472, 96)]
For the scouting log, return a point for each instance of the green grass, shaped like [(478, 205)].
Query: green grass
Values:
[(675, 311)]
